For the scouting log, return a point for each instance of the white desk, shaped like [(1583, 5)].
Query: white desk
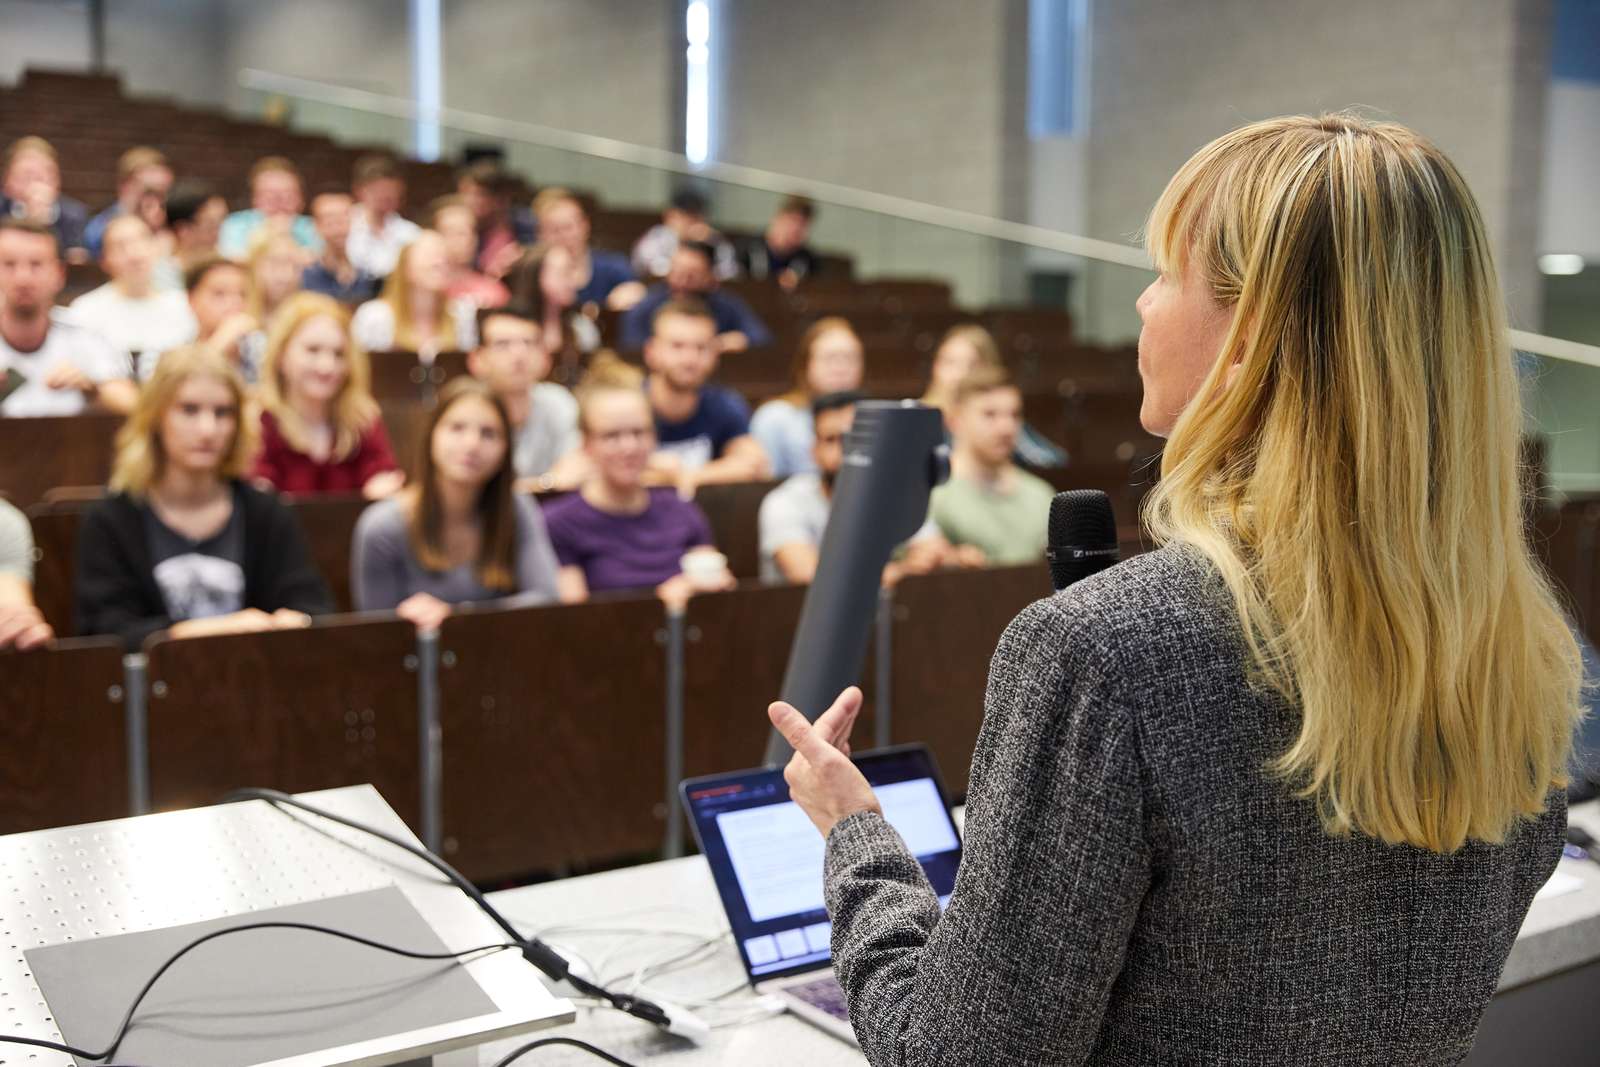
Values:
[(1560, 933)]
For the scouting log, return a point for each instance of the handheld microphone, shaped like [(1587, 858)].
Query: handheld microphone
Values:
[(894, 456), (1083, 536)]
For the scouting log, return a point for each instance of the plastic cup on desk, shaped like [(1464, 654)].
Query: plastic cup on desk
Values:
[(705, 567)]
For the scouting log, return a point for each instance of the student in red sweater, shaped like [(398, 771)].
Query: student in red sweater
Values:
[(320, 427)]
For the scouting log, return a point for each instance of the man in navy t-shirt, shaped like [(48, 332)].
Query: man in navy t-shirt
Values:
[(738, 327), (703, 431)]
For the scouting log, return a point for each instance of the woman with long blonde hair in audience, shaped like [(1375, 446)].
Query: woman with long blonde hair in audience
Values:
[(1282, 790), (829, 359), (968, 347), (457, 534), (321, 430), (276, 263), (184, 544), (413, 311), (616, 532)]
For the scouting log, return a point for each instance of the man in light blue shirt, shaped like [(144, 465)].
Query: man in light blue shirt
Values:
[(276, 198)]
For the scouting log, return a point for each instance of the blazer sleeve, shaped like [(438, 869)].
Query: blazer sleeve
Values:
[(1020, 967), (289, 579), (111, 595)]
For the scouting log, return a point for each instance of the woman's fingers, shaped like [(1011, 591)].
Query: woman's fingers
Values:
[(801, 735)]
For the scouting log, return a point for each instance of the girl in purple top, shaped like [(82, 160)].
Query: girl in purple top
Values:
[(615, 532)]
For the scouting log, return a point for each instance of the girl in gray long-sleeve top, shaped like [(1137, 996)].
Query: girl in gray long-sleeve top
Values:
[(1282, 791), (458, 534)]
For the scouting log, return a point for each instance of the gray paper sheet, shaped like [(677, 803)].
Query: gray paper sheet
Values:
[(261, 995)]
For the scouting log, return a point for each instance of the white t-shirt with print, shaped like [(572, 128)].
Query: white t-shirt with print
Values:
[(65, 342)]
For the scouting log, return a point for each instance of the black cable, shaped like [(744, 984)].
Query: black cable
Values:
[(548, 960), (127, 1019), (518, 1053)]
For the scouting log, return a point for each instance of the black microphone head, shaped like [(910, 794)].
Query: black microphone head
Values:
[(1083, 535)]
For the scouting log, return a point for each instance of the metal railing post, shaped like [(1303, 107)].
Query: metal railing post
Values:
[(883, 682), (136, 720), (672, 846), (430, 737)]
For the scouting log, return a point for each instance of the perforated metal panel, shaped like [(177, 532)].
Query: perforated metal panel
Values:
[(187, 866)]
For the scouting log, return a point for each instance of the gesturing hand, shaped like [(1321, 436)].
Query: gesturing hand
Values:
[(821, 778)]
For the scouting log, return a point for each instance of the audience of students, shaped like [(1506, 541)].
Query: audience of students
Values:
[(194, 214), (276, 200), (691, 275), (49, 364), (545, 280), (782, 253), (684, 219), (144, 180), (30, 191), (991, 509), (21, 625), (702, 430), (219, 298), (603, 279), (412, 311), (458, 534), (511, 358), (321, 430), (333, 273), (183, 544), (139, 320), (615, 532), (452, 220), (829, 360), (794, 516), (377, 231), (962, 349), (504, 229)]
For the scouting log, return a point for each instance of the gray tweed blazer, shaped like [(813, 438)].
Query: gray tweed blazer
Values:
[(1137, 890)]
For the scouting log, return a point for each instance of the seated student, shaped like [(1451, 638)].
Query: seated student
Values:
[(452, 219), (794, 515), (21, 625), (412, 312), (457, 534), (738, 327), (30, 191), (781, 253), (546, 278), (333, 274), (194, 212), (990, 505), (615, 532), (829, 360), (144, 179), (219, 297), (49, 365), (275, 264), (377, 230), (603, 279), (702, 430), (184, 545), (963, 348), (276, 200), (504, 229), (512, 360), (129, 311), (320, 427), (683, 220)]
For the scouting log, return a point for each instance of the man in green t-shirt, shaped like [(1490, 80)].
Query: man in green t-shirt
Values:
[(990, 505)]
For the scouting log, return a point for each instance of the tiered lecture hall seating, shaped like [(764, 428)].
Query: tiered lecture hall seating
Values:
[(537, 705)]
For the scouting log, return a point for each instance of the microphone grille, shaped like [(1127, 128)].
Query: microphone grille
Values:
[(1082, 517)]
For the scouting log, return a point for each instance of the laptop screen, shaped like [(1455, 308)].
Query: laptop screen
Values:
[(766, 857)]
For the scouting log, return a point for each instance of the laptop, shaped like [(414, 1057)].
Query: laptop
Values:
[(766, 859)]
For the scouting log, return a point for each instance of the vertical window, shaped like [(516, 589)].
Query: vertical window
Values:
[(1057, 36), (427, 77), (698, 83)]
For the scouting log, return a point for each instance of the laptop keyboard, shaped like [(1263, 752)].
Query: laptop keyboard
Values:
[(824, 994)]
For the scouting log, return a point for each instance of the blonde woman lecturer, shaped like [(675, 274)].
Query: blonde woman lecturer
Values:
[(1281, 791)]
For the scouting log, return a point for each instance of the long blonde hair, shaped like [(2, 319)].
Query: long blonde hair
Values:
[(266, 243), (1350, 466), (354, 408), (396, 292), (140, 459)]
